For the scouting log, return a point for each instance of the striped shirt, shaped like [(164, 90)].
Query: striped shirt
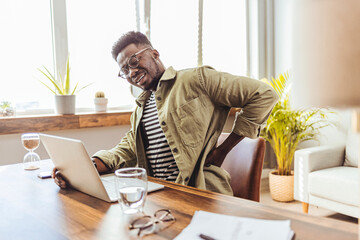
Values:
[(158, 152)]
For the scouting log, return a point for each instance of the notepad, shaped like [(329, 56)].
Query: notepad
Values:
[(224, 227)]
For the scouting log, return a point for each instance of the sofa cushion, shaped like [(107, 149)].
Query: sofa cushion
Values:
[(352, 149), (339, 184)]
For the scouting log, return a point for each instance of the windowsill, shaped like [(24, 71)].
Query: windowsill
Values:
[(79, 110), (52, 122)]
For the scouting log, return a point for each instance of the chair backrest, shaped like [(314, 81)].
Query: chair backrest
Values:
[(244, 163)]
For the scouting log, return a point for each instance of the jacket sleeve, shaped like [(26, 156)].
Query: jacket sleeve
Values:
[(255, 98), (123, 154)]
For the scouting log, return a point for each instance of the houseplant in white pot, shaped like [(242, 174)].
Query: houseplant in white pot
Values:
[(64, 96), (100, 102), (286, 128)]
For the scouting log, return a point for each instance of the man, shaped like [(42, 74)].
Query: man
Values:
[(179, 117)]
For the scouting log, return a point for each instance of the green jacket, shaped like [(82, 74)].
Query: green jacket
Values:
[(193, 105)]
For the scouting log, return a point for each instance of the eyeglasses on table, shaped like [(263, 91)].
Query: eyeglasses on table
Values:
[(151, 224)]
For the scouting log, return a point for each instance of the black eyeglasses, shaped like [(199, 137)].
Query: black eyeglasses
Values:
[(147, 224), (132, 62)]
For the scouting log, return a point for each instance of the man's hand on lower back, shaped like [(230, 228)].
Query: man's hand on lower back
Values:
[(215, 157)]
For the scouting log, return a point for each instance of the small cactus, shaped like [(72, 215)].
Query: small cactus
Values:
[(99, 94)]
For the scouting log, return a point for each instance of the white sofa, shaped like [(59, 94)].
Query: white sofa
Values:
[(328, 177)]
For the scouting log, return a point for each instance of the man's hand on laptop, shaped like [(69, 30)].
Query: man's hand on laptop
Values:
[(61, 181), (100, 166), (58, 178)]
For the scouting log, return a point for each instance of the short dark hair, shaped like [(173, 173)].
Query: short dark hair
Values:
[(128, 38)]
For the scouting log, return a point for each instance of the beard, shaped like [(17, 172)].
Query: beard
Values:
[(155, 78)]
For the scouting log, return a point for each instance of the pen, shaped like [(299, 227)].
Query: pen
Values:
[(205, 237)]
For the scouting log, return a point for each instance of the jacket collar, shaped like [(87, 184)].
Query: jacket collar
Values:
[(169, 74)]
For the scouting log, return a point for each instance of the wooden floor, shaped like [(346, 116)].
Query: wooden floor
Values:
[(265, 198)]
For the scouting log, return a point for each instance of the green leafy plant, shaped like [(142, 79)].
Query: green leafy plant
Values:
[(6, 109), (286, 128), (5, 104), (60, 86)]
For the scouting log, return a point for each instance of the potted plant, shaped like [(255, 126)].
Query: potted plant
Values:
[(286, 128), (64, 96), (100, 102), (6, 109)]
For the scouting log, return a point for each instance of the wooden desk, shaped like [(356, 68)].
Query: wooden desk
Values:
[(32, 208)]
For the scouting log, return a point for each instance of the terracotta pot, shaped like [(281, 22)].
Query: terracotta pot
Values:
[(281, 187)]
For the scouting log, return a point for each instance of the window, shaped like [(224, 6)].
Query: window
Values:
[(93, 27), (28, 46), (25, 45), (224, 36), (174, 32)]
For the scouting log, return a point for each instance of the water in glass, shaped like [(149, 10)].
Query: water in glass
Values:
[(131, 188)]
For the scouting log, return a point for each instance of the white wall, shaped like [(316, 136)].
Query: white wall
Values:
[(95, 139), (283, 33), (282, 36)]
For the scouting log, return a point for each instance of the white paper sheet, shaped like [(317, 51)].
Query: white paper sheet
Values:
[(224, 227)]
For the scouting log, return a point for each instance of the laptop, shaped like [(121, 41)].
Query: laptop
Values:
[(71, 158)]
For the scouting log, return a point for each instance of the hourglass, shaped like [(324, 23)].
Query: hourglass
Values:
[(31, 141)]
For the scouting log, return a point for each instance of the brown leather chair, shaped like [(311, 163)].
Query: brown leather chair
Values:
[(244, 163)]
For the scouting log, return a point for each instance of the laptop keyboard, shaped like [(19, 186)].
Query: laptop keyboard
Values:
[(109, 184)]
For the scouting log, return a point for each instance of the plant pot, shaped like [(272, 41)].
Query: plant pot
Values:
[(64, 104), (281, 187), (100, 104)]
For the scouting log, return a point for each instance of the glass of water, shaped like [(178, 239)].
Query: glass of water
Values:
[(131, 189)]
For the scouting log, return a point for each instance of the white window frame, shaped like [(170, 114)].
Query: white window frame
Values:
[(59, 35), (260, 38)]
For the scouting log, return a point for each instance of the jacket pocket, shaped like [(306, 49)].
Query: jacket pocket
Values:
[(188, 123)]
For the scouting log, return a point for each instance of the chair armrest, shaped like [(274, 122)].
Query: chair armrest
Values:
[(312, 159)]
